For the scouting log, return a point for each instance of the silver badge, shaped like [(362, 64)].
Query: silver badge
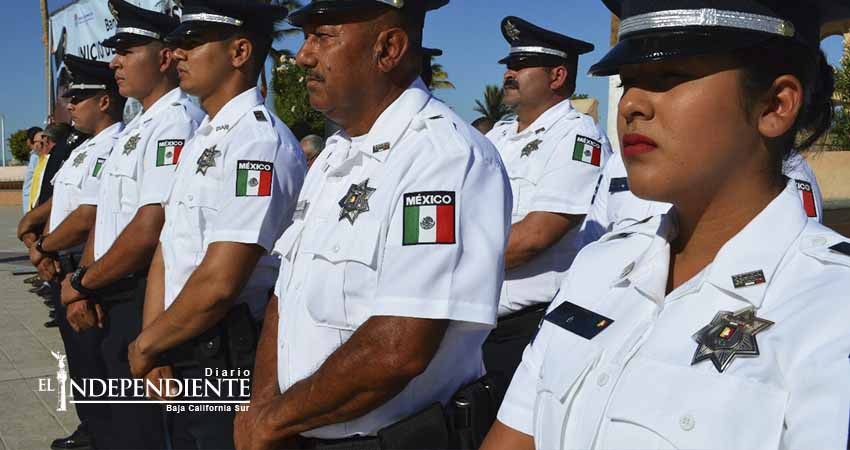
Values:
[(729, 335), (79, 159), (207, 160), (356, 201), (131, 144), (531, 147)]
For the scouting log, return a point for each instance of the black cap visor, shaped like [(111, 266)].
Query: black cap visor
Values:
[(517, 61), (195, 32), (126, 40), (655, 47)]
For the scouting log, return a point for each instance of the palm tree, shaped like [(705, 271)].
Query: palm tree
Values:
[(492, 107), (440, 78)]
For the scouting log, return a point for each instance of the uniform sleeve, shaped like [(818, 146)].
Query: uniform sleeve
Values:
[(818, 410), (258, 191), (161, 157), (569, 178), (444, 255)]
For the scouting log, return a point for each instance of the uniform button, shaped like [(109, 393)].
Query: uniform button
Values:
[(602, 380), (335, 248), (687, 422), (190, 197), (628, 270)]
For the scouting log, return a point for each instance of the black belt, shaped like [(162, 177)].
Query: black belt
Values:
[(521, 321)]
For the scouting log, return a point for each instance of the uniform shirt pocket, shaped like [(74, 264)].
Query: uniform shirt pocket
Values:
[(201, 204), (125, 169), (658, 405), (569, 359), (351, 250)]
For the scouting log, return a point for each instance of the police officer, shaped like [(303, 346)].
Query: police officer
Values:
[(235, 190), (95, 107), (390, 272), (554, 155), (695, 329), (615, 206), (135, 181)]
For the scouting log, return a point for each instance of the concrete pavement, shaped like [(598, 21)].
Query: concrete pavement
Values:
[(28, 418)]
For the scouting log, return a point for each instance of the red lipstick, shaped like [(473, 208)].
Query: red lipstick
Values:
[(636, 144)]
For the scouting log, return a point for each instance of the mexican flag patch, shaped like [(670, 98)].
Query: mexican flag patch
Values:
[(587, 151), (807, 196), (168, 152), (98, 166), (429, 218), (254, 178)]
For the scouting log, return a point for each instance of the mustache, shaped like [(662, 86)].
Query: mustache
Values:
[(313, 76), (510, 83)]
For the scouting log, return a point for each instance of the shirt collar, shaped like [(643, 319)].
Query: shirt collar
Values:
[(546, 120), (172, 96), (110, 132), (232, 111), (393, 122), (754, 254)]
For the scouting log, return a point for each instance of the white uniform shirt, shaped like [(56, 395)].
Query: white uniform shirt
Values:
[(237, 181), (553, 166), (633, 384), (429, 244), (140, 171), (615, 207), (78, 180)]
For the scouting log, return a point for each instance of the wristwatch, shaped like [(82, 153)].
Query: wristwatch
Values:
[(77, 282), (39, 246)]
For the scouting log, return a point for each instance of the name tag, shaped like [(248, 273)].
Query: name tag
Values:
[(618, 185), (578, 320)]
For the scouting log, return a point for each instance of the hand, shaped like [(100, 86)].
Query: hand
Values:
[(35, 256), (154, 376), (29, 239), (47, 269), (249, 430), (140, 362), (83, 315), (25, 226), (69, 294)]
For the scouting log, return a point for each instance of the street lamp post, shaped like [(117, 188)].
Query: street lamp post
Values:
[(3, 138)]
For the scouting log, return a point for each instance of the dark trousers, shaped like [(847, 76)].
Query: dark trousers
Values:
[(137, 426), (83, 356), (504, 346), (201, 430)]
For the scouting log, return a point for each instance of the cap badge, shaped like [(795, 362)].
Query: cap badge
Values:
[(511, 31)]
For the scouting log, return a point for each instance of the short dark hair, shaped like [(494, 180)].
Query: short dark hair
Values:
[(116, 104), (32, 131), (762, 65), (58, 132)]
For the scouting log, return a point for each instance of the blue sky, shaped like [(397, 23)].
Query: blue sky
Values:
[(467, 30)]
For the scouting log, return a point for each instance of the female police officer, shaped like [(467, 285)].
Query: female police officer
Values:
[(721, 324)]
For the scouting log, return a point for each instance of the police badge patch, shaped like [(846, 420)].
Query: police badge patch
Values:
[(131, 144), (207, 160), (356, 201), (79, 159), (530, 148), (429, 218), (728, 336)]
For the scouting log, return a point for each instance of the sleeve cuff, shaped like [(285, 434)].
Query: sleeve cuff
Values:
[(478, 315), (243, 237), (516, 418), (88, 200), (555, 202)]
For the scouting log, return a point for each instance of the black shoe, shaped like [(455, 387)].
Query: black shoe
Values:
[(52, 313), (48, 302), (78, 440), (33, 280), (51, 324)]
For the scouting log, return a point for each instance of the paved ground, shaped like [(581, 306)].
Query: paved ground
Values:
[(28, 418)]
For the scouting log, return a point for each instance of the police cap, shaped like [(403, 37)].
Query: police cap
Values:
[(535, 46), (88, 76), (201, 16), (138, 25), (661, 29)]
